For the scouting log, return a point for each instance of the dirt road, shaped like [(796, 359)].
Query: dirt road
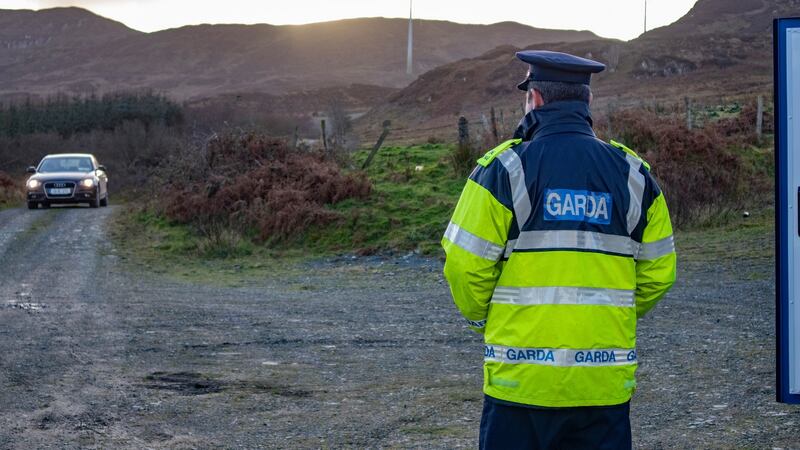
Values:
[(347, 353)]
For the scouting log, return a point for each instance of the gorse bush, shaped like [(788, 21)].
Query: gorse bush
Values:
[(252, 183)]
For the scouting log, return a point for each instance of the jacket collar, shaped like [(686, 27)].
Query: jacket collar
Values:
[(556, 117)]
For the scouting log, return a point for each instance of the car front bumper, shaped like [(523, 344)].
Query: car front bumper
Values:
[(79, 196)]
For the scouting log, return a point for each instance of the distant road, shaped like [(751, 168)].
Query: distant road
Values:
[(356, 353)]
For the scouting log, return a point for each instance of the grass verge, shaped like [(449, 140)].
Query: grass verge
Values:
[(150, 243), (742, 239), (414, 192)]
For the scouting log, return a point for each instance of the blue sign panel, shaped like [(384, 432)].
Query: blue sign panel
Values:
[(787, 211)]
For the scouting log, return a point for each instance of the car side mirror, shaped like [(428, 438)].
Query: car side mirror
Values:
[(103, 168), (31, 169)]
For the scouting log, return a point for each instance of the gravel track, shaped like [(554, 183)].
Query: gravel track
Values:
[(364, 353)]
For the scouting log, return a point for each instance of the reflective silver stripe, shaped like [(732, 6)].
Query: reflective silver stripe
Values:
[(657, 249), (572, 239), (636, 191), (473, 244), (560, 295), (519, 190), (563, 357), (476, 323)]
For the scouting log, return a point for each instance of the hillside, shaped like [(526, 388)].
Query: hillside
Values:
[(56, 28), (75, 51), (720, 49)]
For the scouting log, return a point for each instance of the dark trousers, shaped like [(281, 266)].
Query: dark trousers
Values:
[(505, 427)]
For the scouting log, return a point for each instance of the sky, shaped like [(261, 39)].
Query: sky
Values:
[(621, 19)]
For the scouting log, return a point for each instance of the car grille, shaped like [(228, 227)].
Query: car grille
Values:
[(50, 185)]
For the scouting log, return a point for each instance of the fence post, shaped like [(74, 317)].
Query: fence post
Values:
[(688, 105), (324, 137), (463, 132), (374, 151), (609, 114), (495, 134), (503, 124), (295, 137), (760, 118)]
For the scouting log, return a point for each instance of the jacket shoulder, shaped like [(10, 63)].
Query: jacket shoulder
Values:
[(630, 152), (487, 159)]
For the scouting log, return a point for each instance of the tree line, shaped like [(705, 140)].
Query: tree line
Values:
[(69, 115)]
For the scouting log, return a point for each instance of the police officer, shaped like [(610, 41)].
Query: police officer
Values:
[(558, 244)]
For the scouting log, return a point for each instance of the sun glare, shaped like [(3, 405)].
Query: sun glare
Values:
[(621, 19)]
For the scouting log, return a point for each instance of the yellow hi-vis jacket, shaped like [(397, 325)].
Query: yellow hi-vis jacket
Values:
[(556, 247)]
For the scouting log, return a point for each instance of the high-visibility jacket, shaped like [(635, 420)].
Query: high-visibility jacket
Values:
[(558, 244)]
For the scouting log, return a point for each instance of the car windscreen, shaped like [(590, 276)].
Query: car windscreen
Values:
[(66, 164)]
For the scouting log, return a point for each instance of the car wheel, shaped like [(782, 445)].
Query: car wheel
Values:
[(104, 201), (95, 203), (33, 205)]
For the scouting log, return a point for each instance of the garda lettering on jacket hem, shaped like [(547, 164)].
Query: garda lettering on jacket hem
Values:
[(579, 206), (559, 356)]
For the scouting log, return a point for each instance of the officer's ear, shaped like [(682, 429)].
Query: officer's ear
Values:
[(591, 96), (535, 98)]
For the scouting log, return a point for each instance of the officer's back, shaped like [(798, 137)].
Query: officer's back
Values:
[(559, 243)]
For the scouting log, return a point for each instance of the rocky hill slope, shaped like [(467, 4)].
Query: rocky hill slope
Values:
[(721, 49), (75, 51)]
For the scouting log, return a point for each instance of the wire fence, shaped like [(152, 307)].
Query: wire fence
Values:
[(498, 124)]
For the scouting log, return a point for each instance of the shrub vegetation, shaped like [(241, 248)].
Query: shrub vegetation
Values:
[(707, 174), (233, 192), (11, 192), (254, 185)]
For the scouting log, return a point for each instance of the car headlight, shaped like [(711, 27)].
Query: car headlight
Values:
[(89, 182), (34, 184)]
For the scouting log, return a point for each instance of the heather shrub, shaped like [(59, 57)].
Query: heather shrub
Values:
[(254, 184), (703, 172), (11, 190), (742, 126)]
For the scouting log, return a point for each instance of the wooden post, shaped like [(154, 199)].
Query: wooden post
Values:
[(760, 117), (324, 137), (482, 133), (295, 138), (377, 146), (688, 106), (463, 132), (495, 134), (503, 126)]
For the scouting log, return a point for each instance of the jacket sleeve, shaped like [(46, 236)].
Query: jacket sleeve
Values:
[(474, 244), (656, 263)]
